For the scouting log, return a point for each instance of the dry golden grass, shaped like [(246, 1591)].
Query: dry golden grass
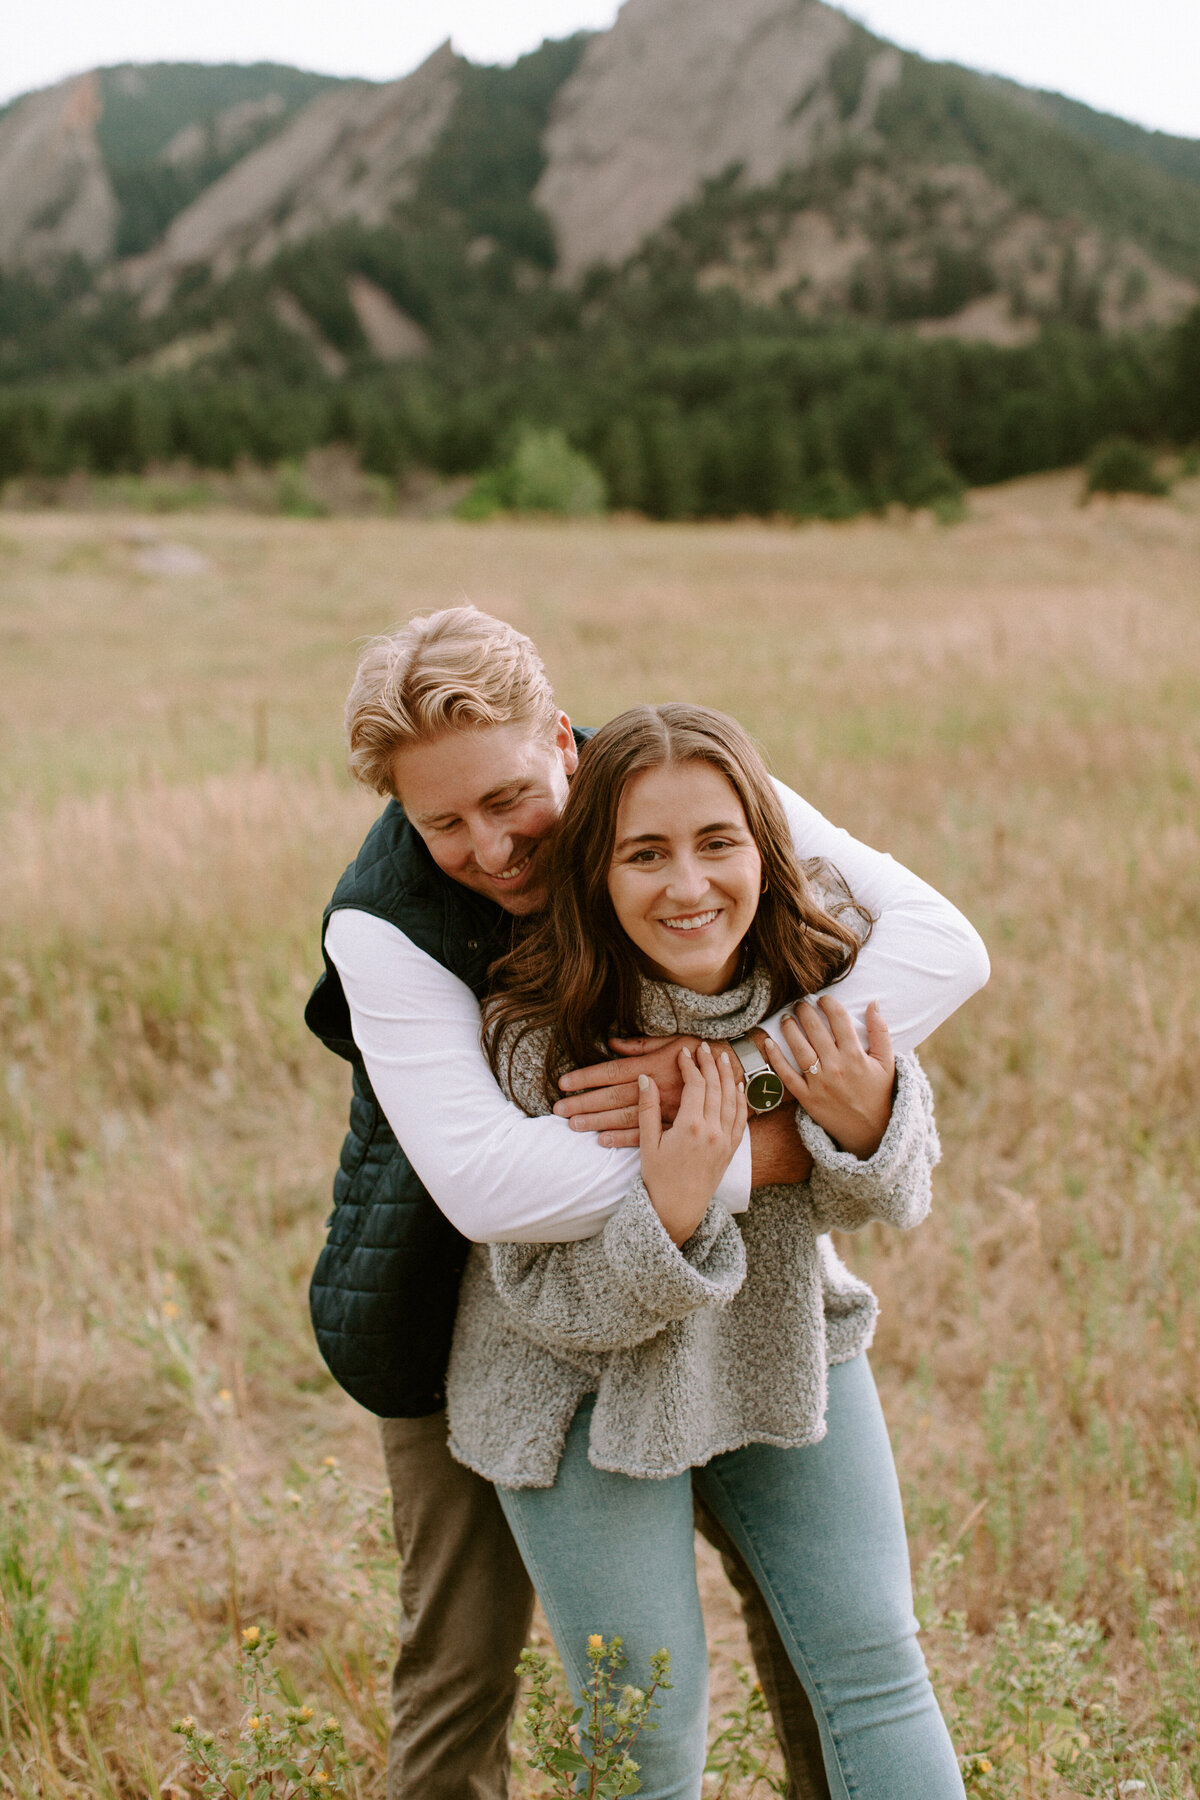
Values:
[(1011, 706)]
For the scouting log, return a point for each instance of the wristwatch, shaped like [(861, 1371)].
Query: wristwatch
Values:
[(764, 1090)]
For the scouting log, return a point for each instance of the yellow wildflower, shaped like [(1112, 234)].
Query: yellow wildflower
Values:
[(595, 1642), (251, 1634), (170, 1310)]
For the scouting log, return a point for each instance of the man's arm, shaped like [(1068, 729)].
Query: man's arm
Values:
[(773, 1140), (922, 960), (498, 1175), (611, 1110)]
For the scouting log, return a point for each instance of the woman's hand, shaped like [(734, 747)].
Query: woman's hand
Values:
[(682, 1166), (845, 1089)]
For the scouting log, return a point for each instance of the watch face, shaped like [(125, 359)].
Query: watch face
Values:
[(764, 1091)]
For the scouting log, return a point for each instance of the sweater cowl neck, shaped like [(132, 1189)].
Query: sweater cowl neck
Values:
[(667, 1008)]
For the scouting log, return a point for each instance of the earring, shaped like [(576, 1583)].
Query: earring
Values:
[(766, 884)]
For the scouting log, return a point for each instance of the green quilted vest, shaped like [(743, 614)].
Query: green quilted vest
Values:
[(385, 1289)]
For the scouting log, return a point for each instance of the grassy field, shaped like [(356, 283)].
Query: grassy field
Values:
[(1010, 705)]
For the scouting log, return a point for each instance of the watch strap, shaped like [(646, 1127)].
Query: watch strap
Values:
[(750, 1056)]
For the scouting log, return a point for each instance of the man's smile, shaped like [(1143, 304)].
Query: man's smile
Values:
[(514, 870)]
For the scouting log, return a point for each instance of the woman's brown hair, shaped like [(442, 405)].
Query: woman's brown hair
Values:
[(575, 973)]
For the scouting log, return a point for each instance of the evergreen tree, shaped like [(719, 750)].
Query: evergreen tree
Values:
[(671, 491), (1185, 370), (623, 463)]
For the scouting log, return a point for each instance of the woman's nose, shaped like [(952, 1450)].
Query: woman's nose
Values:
[(688, 880)]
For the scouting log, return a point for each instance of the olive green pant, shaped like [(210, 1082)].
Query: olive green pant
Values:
[(465, 1608)]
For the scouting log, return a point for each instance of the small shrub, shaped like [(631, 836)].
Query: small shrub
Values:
[(544, 474), (585, 1750), (745, 1752), (1121, 466), (278, 1754), (294, 495)]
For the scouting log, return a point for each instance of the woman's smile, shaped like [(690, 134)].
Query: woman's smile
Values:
[(685, 874), (694, 922)]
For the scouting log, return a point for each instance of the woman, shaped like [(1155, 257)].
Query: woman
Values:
[(595, 1383)]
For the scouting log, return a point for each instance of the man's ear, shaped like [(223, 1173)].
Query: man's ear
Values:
[(564, 739)]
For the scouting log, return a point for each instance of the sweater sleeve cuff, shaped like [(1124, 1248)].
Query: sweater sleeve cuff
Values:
[(707, 1271), (911, 1122)]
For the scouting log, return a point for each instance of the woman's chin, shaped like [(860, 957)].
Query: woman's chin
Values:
[(704, 974)]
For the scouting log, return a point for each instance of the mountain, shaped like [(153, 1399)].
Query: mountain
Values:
[(720, 232), (98, 166), (58, 199), (775, 147), (679, 93), (844, 176), (353, 153), (167, 130)]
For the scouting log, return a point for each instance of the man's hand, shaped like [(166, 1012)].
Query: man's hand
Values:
[(604, 1097)]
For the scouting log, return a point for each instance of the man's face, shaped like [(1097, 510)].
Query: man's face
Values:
[(486, 801)]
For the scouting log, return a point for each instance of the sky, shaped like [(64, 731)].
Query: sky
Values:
[(1141, 61)]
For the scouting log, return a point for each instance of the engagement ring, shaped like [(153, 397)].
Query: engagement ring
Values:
[(813, 1070)]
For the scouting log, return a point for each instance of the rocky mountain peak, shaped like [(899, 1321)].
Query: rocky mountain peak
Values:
[(352, 153), (678, 92), (58, 201)]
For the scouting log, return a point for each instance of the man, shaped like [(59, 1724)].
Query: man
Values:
[(453, 717)]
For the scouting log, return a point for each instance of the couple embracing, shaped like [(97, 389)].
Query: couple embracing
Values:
[(595, 1302)]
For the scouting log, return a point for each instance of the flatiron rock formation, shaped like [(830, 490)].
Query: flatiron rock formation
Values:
[(57, 198), (353, 153), (678, 92)]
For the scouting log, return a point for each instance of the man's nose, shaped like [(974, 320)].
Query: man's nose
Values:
[(492, 845)]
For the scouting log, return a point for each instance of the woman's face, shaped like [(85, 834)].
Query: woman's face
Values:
[(685, 874)]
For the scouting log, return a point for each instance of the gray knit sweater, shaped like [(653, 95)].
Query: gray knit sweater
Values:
[(690, 1351)]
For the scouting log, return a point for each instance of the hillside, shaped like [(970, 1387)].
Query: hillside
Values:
[(98, 166), (709, 236), (167, 131), (848, 177), (353, 153)]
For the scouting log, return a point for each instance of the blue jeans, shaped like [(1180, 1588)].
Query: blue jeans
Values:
[(822, 1531)]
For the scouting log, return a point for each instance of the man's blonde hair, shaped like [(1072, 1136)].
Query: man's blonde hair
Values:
[(455, 670)]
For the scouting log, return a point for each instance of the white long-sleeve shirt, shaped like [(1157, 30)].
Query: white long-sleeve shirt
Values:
[(502, 1177)]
